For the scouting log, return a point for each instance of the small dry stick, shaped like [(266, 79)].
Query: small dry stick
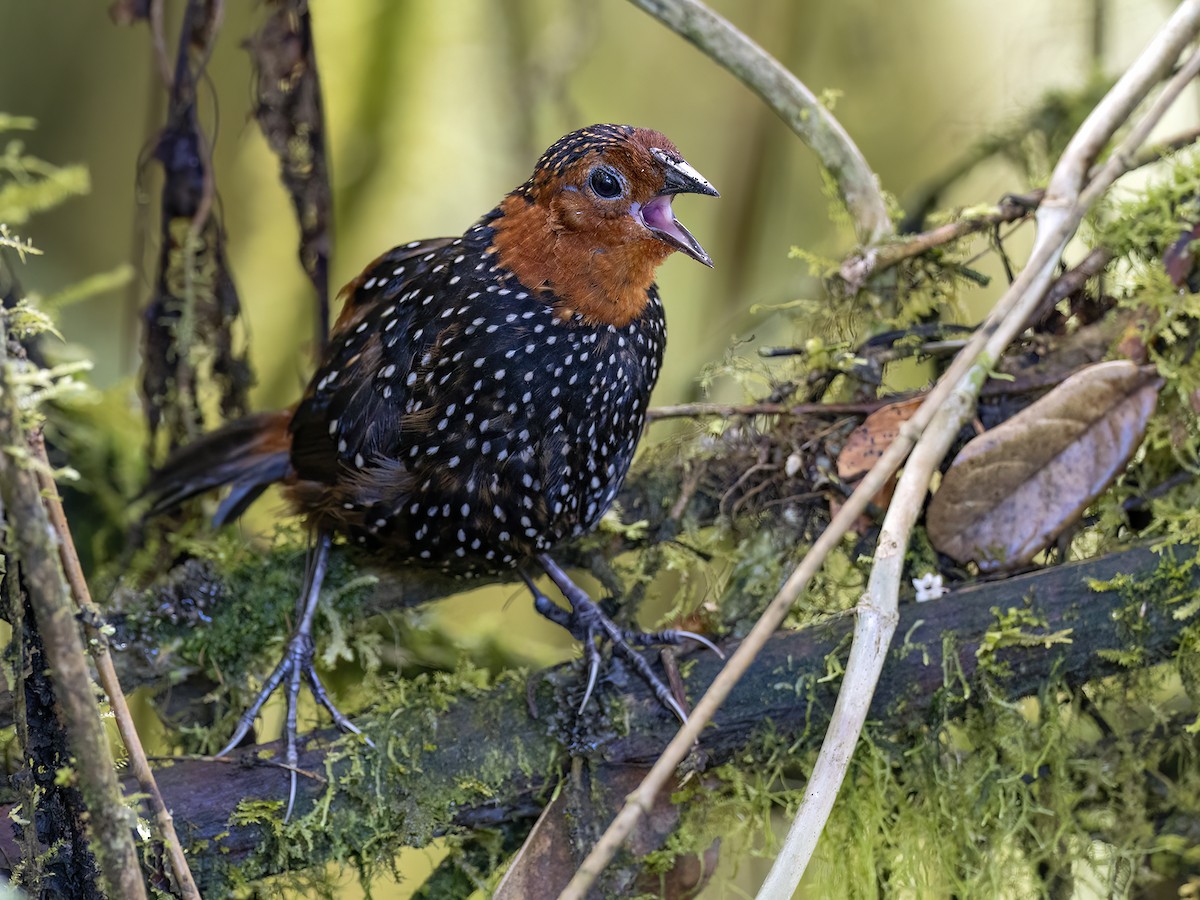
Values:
[(107, 674), (1070, 282)]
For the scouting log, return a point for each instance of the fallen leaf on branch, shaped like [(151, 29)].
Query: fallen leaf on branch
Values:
[(864, 447), (869, 440), (1015, 488)]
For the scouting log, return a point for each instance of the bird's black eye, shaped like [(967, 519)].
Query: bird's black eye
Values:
[(605, 184)]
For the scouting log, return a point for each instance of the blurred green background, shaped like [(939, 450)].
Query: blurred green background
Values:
[(436, 109)]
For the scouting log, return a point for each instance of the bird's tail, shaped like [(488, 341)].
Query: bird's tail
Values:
[(248, 455)]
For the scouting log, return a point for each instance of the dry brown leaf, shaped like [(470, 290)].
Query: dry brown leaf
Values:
[(546, 861), (568, 826), (868, 441), (1013, 489), (863, 448)]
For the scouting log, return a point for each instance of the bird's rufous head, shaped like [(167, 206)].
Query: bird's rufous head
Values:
[(595, 220)]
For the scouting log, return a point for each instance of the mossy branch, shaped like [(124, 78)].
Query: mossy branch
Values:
[(433, 773)]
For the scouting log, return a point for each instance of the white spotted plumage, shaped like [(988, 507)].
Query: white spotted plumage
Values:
[(519, 442)]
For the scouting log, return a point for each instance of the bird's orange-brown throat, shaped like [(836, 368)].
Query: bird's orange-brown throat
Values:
[(604, 281), (594, 222)]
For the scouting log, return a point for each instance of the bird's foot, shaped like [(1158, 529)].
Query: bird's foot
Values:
[(586, 622), (296, 664)]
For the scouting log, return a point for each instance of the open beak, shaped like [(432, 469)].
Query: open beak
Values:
[(658, 216)]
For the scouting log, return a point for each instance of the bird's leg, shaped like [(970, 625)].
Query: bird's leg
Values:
[(586, 622), (560, 616), (297, 663)]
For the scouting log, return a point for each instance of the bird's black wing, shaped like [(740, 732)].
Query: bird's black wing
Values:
[(350, 402)]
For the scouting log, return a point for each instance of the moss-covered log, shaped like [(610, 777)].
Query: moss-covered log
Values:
[(459, 752)]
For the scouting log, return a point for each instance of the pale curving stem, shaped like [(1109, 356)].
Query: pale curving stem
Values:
[(791, 100)]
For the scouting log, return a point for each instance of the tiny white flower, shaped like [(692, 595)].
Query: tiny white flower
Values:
[(929, 587)]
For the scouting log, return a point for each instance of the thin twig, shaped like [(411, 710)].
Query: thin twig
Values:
[(857, 268), (1144, 73), (107, 675), (687, 490), (791, 100), (268, 763), (1068, 197), (999, 387), (29, 789), (1070, 282), (726, 410)]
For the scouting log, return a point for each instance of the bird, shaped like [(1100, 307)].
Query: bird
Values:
[(479, 400)]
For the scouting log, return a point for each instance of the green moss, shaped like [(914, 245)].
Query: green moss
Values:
[(1011, 799), (1018, 626), (258, 812), (29, 185), (404, 793), (1167, 590)]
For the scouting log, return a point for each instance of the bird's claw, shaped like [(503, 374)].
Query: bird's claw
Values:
[(671, 636), (299, 650), (296, 664), (339, 718), (595, 623), (586, 622)]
